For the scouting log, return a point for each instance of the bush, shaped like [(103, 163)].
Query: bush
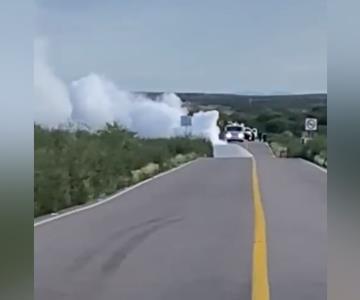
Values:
[(277, 125), (73, 167), (287, 141), (268, 115), (316, 147), (315, 150)]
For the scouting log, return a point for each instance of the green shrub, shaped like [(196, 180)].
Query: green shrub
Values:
[(314, 150), (76, 166), (316, 147)]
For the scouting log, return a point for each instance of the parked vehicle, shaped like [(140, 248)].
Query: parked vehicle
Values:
[(234, 132), (249, 135)]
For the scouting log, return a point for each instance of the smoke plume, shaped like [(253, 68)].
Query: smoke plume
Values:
[(94, 100), (52, 102)]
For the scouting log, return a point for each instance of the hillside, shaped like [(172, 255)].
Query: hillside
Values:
[(252, 102)]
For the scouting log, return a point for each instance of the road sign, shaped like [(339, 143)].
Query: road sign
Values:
[(185, 121), (311, 124)]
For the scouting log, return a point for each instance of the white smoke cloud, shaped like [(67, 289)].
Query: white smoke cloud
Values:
[(52, 102), (94, 100), (205, 124)]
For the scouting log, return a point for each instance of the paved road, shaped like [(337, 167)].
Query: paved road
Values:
[(294, 199), (231, 150), (188, 235)]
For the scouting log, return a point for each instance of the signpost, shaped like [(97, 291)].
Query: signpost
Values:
[(186, 121), (311, 126)]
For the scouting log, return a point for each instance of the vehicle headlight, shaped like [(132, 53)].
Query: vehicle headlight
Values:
[(240, 135), (228, 135)]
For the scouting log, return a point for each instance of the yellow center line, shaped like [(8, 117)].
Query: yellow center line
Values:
[(260, 281)]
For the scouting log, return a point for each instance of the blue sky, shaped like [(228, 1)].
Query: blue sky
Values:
[(253, 46)]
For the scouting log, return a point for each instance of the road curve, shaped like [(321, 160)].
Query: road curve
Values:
[(186, 235), (189, 235)]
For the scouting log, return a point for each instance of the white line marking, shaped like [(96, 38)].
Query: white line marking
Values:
[(314, 165), (112, 197), (271, 150)]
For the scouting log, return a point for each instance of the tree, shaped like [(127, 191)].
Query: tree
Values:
[(277, 125)]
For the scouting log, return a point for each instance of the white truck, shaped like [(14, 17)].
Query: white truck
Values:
[(234, 132)]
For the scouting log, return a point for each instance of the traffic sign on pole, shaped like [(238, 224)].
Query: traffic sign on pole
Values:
[(311, 124), (186, 121)]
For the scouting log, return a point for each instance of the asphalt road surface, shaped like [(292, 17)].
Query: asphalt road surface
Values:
[(294, 198), (189, 235)]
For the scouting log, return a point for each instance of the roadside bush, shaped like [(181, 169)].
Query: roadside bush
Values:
[(77, 166), (316, 147), (315, 150), (286, 140)]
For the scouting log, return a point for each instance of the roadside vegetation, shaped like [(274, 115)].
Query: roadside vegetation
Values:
[(77, 166), (281, 118), (73, 167), (287, 145)]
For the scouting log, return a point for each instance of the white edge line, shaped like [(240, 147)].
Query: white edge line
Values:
[(112, 197), (271, 150), (314, 165)]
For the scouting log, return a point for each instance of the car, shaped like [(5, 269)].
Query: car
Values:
[(234, 133), (249, 135)]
